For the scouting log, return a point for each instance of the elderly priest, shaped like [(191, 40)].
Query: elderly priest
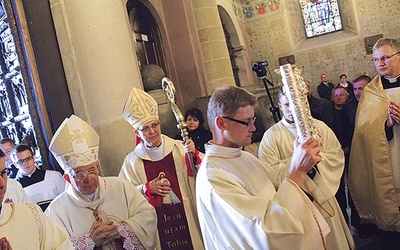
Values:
[(105, 212)]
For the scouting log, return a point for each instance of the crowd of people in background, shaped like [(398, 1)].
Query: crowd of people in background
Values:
[(205, 191)]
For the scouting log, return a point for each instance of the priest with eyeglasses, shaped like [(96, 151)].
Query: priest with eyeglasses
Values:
[(157, 167), (374, 168), (97, 212)]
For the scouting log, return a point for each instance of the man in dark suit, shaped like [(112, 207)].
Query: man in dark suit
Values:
[(325, 88)]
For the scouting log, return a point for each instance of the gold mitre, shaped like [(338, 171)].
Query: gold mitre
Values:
[(140, 108), (75, 143)]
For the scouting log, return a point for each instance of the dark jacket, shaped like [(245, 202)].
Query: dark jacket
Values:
[(321, 109), (351, 109), (342, 127), (200, 136), (325, 91)]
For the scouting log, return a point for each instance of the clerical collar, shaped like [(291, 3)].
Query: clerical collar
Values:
[(392, 80), (156, 153), (389, 83)]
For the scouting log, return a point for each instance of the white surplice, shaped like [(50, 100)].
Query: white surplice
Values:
[(276, 149), (239, 207), (47, 189), (116, 200)]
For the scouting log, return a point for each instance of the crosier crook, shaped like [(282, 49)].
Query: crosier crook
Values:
[(169, 90)]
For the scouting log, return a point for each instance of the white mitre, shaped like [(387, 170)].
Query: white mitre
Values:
[(75, 144), (140, 108)]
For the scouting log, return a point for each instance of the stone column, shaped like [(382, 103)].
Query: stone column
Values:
[(213, 44), (101, 68)]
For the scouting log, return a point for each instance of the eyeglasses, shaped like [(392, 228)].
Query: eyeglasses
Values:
[(82, 175), (340, 95), (383, 58), (26, 160), (5, 173), (247, 124), (147, 128)]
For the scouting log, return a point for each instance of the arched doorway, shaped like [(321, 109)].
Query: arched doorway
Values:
[(235, 48), (148, 44)]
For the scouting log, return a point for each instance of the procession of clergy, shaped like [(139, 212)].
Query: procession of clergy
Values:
[(241, 202)]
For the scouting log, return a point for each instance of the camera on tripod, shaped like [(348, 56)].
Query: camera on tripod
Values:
[(259, 68)]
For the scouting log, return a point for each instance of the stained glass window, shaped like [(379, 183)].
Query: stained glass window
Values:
[(320, 17)]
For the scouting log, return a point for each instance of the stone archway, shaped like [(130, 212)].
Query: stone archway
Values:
[(148, 41), (237, 53)]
